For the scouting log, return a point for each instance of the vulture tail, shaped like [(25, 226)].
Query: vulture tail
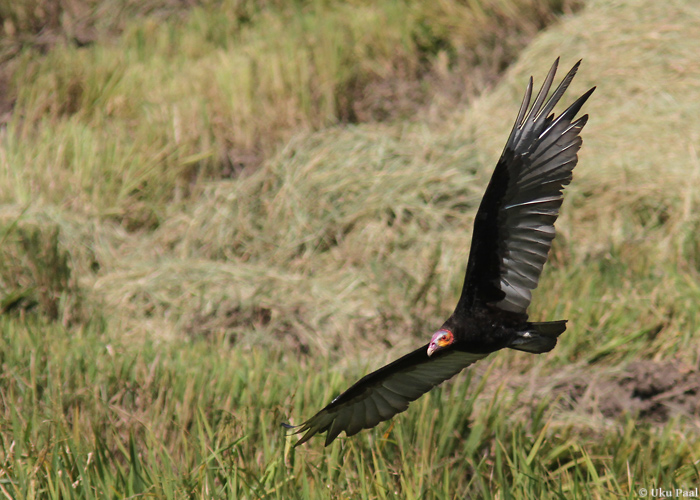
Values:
[(539, 337)]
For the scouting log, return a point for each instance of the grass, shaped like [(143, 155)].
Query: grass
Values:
[(100, 417), (138, 120), (163, 311)]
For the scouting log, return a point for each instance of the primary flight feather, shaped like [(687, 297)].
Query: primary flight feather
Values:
[(513, 232)]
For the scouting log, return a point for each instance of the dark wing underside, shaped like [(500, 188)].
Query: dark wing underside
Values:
[(514, 225), (385, 392)]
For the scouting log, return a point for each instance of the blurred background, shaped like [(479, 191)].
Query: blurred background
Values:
[(215, 215)]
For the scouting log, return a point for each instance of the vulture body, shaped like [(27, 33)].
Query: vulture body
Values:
[(513, 232)]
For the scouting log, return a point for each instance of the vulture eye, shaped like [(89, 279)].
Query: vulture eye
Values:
[(445, 338)]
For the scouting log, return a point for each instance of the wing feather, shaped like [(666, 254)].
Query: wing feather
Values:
[(359, 412), (372, 417)]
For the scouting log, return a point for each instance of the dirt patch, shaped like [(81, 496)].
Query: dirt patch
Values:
[(651, 391), (654, 391)]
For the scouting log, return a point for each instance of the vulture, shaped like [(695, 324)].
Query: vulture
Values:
[(513, 232)]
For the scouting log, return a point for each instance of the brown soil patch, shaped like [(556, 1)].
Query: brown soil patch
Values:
[(650, 391)]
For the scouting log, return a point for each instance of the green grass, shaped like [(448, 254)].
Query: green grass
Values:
[(163, 311), (99, 417)]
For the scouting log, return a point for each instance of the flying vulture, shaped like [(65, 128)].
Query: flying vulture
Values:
[(513, 231)]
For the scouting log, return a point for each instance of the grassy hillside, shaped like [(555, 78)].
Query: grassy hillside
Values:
[(194, 253), (136, 105)]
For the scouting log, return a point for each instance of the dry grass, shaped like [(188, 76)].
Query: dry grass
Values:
[(137, 120), (363, 231), (355, 222)]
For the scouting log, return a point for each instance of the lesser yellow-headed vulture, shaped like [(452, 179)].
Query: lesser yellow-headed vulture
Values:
[(513, 233)]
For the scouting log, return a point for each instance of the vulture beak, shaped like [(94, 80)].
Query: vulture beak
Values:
[(440, 340), (432, 348)]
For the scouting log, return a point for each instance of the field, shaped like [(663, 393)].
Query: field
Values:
[(215, 215)]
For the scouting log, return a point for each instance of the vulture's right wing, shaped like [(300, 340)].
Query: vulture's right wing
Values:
[(514, 225)]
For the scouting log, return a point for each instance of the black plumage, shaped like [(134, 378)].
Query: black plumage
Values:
[(513, 232)]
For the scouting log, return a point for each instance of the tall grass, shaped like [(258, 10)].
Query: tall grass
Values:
[(93, 416)]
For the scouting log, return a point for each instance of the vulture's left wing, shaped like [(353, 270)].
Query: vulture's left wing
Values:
[(385, 392)]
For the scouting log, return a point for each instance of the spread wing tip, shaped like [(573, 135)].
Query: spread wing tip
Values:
[(307, 427)]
